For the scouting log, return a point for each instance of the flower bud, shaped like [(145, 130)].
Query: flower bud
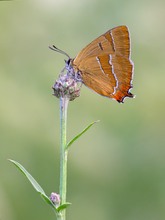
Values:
[(55, 198)]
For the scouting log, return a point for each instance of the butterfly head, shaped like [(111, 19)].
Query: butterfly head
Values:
[(68, 64)]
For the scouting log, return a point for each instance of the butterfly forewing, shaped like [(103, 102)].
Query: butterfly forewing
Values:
[(105, 66)]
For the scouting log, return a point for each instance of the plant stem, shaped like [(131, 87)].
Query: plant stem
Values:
[(63, 154)]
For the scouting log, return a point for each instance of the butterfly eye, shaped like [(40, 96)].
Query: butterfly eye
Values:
[(78, 76)]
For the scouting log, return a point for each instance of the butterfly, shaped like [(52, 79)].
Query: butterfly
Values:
[(104, 65)]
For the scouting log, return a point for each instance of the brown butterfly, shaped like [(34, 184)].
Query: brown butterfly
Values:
[(104, 65)]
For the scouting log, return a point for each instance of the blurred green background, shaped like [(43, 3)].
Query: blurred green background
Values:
[(116, 171)]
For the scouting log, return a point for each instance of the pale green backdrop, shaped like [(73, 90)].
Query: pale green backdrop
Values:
[(117, 169)]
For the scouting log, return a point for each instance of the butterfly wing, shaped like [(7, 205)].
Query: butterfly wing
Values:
[(105, 65)]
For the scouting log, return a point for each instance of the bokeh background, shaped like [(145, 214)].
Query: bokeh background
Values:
[(117, 169)]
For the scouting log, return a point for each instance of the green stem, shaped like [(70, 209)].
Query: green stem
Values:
[(63, 154)]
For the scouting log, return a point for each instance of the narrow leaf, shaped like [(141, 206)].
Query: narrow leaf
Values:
[(34, 183), (77, 136)]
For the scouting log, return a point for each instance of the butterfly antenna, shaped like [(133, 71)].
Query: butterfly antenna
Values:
[(58, 50)]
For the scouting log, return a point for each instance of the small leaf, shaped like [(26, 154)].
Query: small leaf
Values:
[(34, 183), (63, 206), (77, 136)]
